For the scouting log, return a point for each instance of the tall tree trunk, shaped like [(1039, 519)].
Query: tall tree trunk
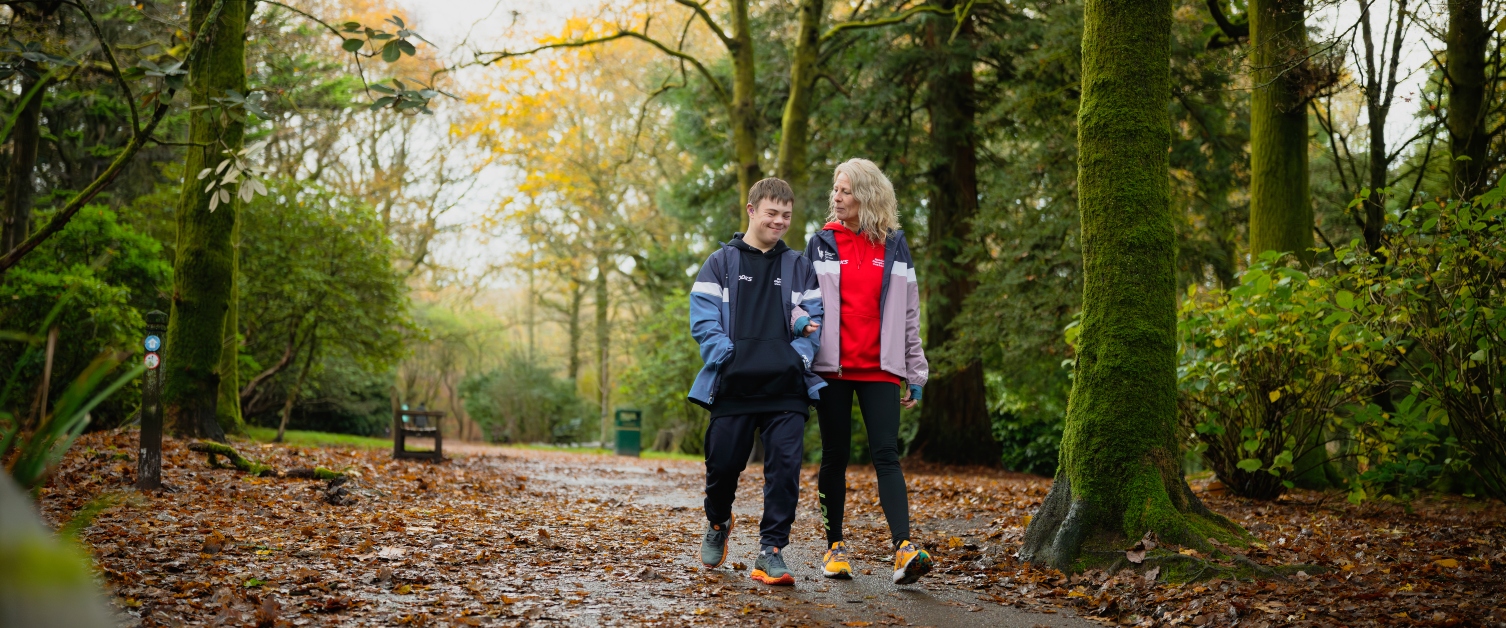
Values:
[(1120, 472), (1380, 86), (603, 345), (1467, 40), (25, 136), (1281, 213), (533, 321), (954, 422), (794, 136), (577, 295), (228, 410), (744, 114), (287, 406), (203, 270)]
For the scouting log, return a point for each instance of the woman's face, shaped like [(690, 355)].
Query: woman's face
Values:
[(843, 203)]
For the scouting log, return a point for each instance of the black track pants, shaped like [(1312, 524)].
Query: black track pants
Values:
[(880, 404), (729, 442)]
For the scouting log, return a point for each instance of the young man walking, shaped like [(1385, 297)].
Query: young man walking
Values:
[(757, 350)]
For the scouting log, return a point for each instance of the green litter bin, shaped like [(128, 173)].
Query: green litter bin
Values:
[(629, 432)]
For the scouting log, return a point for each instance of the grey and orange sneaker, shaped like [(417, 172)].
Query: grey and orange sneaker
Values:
[(770, 569), (834, 564), (714, 544), (910, 563)]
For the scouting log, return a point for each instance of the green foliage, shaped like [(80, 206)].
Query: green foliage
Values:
[(317, 276), (1283, 374), (522, 401), (1442, 297), (108, 274), (38, 452), (666, 361), (345, 397), (1030, 444), (1027, 412)]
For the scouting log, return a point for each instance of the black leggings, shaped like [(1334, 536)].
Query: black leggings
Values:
[(880, 404)]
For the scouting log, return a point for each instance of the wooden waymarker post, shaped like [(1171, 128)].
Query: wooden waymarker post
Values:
[(149, 456)]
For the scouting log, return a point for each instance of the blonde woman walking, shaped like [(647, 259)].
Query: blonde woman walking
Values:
[(870, 349)]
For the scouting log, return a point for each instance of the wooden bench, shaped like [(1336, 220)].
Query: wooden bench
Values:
[(423, 423)]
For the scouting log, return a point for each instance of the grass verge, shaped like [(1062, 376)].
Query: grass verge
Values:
[(301, 438)]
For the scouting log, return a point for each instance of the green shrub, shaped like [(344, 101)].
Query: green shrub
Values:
[(1027, 420), (524, 402), (343, 398), (32, 452), (1030, 444), (1274, 374), (110, 274), (1441, 295)]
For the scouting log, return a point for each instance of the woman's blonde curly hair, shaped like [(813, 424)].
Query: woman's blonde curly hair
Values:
[(878, 211)]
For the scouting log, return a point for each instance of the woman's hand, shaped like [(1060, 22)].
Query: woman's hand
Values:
[(909, 400), (810, 329)]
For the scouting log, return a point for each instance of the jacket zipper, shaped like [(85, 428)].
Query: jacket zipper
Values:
[(838, 256)]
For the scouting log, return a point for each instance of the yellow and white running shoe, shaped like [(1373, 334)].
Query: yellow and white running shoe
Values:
[(834, 563)]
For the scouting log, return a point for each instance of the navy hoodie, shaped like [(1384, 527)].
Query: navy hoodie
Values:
[(765, 374)]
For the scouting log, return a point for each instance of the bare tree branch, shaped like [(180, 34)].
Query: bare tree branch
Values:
[(716, 85), (1232, 30), (884, 21), (130, 98), (700, 10)]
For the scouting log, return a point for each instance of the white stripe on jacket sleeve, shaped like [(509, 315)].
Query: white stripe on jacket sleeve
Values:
[(706, 287)]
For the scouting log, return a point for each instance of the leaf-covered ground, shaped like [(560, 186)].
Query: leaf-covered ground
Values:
[(517, 537)]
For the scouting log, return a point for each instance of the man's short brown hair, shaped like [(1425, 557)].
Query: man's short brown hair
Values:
[(772, 189)]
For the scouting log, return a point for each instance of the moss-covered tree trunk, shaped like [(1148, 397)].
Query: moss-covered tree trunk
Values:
[(203, 272), (744, 114), (1466, 40), (1119, 473), (1281, 213), (794, 137), (954, 422), (25, 136), (229, 409)]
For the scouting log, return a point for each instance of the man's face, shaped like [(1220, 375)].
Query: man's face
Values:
[(770, 217)]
